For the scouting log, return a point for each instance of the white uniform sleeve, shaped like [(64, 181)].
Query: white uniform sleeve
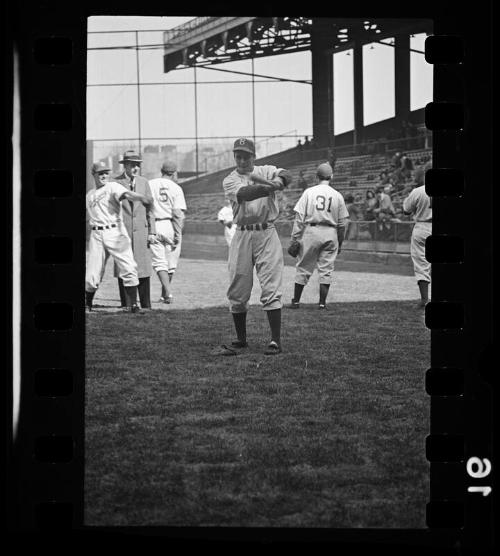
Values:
[(409, 204), (301, 206), (117, 190), (179, 200), (231, 185)]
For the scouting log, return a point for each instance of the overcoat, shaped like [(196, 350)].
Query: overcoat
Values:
[(139, 222)]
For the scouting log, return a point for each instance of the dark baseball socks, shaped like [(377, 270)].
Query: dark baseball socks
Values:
[(297, 292), (130, 295), (89, 297), (240, 324), (423, 286), (274, 318), (323, 293)]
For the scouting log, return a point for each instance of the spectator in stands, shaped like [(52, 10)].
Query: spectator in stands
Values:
[(396, 161), (384, 177), (302, 182), (332, 159), (383, 213), (299, 144), (406, 166), (389, 189), (371, 203), (355, 214), (307, 143)]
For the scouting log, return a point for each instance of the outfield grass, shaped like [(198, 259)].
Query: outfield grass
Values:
[(329, 434)]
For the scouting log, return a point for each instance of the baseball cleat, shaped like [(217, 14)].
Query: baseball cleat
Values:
[(133, 309), (272, 349), (224, 351), (293, 305), (239, 344), (322, 306), (169, 299)]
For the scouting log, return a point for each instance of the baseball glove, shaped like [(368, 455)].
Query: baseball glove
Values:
[(294, 248)]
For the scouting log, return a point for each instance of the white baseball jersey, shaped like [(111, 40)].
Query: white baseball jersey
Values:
[(418, 203), (258, 211), (167, 196), (103, 204), (322, 204), (105, 209)]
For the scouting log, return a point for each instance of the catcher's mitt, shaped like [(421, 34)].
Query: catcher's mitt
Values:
[(294, 248)]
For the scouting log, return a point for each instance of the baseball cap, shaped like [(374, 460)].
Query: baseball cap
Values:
[(100, 167), (245, 145), (324, 171), (169, 167)]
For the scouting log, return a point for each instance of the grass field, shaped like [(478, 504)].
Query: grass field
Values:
[(329, 434)]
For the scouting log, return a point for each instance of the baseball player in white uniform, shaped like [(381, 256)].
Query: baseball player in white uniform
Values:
[(418, 204), (317, 234), (252, 192), (225, 217), (109, 236), (168, 210), (169, 171)]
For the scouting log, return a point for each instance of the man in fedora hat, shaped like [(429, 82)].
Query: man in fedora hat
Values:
[(140, 224)]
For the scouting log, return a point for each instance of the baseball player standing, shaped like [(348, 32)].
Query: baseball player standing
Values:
[(140, 225), (418, 204), (170, 172), (225, 217), (169, 204), (317, 234), (252, 192), (109, 236)]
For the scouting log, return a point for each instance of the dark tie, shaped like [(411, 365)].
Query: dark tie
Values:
[(132, 188)]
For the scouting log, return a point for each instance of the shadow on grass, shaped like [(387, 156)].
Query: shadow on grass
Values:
[(330, 433)]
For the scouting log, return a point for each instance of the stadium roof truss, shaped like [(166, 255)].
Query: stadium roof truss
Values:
[(215, 40)]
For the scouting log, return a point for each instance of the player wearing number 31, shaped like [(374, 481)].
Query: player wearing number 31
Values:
[(317, 234)]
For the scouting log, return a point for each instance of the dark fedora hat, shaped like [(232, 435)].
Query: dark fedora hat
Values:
[(130, 156)]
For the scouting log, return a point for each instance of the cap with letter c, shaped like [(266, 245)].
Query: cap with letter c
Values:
[(245, 145), (99, 167)]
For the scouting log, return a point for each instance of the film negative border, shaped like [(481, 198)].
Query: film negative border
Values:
[(459, 446), (53, 84), (49, 442)]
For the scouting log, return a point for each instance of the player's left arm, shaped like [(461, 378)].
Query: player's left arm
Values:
[(150, 217)]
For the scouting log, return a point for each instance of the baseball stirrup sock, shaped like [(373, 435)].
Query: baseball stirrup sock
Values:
[(89, 297), (274, 317), (323, 292), (297, 292), (131, 295), (240, 324)]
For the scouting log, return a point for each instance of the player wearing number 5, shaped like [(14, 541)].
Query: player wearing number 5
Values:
[(317, 234), (168, 210)]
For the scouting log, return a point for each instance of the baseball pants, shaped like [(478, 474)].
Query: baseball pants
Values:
[(319, 249), (173, 257), (161, 250), (114, 242), (421, 266), (263, 250)]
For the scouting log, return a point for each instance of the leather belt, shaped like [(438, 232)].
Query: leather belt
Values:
[(104, 227), (322, 224), (251, 227), (158, 219)]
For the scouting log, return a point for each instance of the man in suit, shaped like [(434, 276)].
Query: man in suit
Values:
[(140, 225)]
